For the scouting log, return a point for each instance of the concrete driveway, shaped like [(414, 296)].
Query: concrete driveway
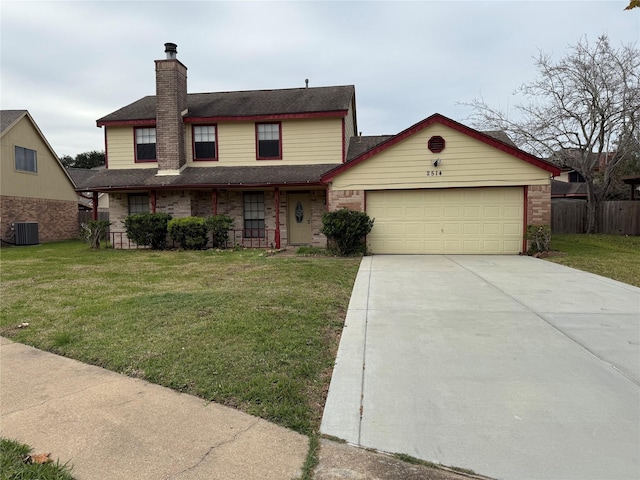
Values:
[(511, 366)]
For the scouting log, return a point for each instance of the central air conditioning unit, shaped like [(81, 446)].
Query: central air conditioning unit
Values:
[(26, 233)]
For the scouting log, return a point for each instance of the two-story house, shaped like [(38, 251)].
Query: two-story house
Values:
[(276, 160), (38, 202)]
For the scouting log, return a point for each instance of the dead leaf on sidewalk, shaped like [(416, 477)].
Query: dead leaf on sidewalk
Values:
[(38, 458)]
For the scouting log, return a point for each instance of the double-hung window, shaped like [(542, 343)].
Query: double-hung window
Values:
[(138, 203), (204, 142), (26, 160), (145, 144), (254, 215), (269, 141)]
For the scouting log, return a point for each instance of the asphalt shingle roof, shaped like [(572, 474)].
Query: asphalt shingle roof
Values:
[(246, 103), (202, 177), (7, 117)]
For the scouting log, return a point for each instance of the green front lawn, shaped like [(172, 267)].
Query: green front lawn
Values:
[(613, 256), (239, 328)]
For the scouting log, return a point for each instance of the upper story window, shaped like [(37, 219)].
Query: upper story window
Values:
[(145, 144), (26, 160), (204, 142), (269, 141)]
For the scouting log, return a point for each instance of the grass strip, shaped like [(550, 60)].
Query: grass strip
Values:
[(611, 256), (13, 466)]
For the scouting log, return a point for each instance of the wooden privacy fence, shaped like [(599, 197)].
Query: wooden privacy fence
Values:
[(614, 217), (87, 216)]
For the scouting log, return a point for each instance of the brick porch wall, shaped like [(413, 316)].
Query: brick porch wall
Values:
[(350, 199), (230, 202), (57, 219), (539, 205)]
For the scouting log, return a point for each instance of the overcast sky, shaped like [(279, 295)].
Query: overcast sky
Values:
[(70, 63)]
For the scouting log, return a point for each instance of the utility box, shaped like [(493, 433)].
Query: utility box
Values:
[(26, 233)]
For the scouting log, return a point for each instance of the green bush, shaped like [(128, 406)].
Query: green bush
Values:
[(219, 226), (148, 229), (539, 237), (346, 231), (189, 232)]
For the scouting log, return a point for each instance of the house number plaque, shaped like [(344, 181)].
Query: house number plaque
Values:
[(434, 173)]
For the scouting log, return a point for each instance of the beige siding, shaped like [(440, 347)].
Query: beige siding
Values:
[(305, 141), (465, 162), (120, 149), (49, 182)]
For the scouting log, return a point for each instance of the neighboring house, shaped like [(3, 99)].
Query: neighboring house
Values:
[(276, 160), (569, 184), (35, 187)]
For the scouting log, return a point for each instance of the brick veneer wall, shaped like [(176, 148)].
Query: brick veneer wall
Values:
[(351, 199), (185, 203), (57, 219), (171, 101), (539, 205)]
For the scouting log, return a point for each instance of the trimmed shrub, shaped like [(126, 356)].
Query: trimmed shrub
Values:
[(219, 226), (539, 237), (148, 229), (346, 231), (189, 232)]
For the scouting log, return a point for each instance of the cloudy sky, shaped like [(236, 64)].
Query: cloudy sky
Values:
[(70, 63)]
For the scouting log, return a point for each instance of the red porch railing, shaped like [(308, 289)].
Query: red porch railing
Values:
[(255, 238)]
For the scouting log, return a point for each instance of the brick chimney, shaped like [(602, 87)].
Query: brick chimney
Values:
[(171, 104)]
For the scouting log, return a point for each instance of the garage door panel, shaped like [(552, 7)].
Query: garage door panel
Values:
[(464, 220), (512, 228), (491, 229), (512, 212), (471, 228)]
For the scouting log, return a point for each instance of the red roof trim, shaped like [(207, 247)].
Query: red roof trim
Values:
[(230, 118), (441, 119), (124, 123), (200, 186), (279, 116)]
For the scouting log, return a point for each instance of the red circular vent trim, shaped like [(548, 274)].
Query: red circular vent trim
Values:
[(436, 144)]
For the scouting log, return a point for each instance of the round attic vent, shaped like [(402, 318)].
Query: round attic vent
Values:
[(436, 144)]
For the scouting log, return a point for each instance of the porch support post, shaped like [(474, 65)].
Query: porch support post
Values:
[(276, 199), (214, 201), (95, 206), (153, 201)]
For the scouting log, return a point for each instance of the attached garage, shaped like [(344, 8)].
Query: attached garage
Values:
[(440, 187), (452, 220)]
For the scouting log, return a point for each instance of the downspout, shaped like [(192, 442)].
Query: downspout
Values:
[(95, 206), (276, 195), (153, 201), (214, 201), (525, 217)]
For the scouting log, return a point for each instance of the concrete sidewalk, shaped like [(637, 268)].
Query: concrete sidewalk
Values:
[(109, 426)]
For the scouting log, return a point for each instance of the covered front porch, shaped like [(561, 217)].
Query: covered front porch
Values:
[(274, 217)]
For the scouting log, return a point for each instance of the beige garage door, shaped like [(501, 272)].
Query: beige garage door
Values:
[(455, 220)]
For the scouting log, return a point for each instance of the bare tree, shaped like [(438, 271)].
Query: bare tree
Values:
[(582, 112)]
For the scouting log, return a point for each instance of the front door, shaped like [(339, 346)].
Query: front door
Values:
[(299, 218)]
